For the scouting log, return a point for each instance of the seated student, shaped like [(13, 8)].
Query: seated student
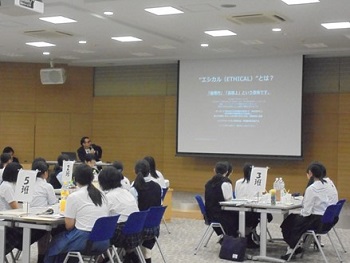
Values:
[(11, 151), (217, 189), (55, 178), (88, 147), (83, 208), (318, 196), (43, 196), (125, 181), (120, 201), (252, 219), (14, 236), (154, 173), (90, 160), (147, 193), (5, 159)]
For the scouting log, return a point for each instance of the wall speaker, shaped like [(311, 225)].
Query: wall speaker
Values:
[(52, 76)]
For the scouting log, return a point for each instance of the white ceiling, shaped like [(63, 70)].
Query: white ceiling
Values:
[(170, 38)]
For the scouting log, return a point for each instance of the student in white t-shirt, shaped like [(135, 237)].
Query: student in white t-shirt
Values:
[(125, 182), (156, 175), (83, 208)]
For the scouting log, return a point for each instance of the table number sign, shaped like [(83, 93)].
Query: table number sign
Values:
[(25, 185), (67, 171), (257, 183)]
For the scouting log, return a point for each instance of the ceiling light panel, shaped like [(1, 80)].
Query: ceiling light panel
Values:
[(162, 11), (127, 39), (220, 33), (299, 2), (58, 19), (338, 25), (40, 44)]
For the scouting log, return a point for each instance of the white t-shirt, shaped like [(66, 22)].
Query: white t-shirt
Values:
[(315, 200), (7, 195), (160, 180), (80, 207), (44, 194), (125, 183), (332, 192), (122, 202), (242, 189), (1, 171)]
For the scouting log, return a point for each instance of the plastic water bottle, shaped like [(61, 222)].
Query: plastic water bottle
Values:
[(64, 195), (277, 186), (283, 187)]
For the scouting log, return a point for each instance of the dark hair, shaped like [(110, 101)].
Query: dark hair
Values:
[(82, 140), (152, 166), (318, 170), (141, 171), (247, 169), (118, 165), (221, 168), (89, 157), (61, 158), (109, 178), (10, 172), (39, 159), (229, 168), (8, 149), (84, 176), (5, 157), (41, 166)]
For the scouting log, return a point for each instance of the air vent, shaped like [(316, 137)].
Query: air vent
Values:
[(47, 34), (251, 19)]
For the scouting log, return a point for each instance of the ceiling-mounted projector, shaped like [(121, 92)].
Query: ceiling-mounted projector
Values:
[(52, 76)]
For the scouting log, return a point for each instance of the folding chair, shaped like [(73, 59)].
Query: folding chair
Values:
[(211, 225), (132, 234), (102, 230), (152, 222), (165, 190), (328, 221), (340, 207)]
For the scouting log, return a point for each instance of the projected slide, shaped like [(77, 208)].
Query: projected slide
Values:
[(240, 107)]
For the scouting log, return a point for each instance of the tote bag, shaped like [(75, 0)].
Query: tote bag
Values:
[(233, 248)]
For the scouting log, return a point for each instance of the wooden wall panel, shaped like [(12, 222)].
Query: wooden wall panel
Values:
[(17, 130)]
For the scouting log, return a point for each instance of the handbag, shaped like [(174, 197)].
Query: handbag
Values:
[(233, 248)]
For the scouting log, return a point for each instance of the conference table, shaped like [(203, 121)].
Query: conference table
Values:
[(27, 221), (263, 209)]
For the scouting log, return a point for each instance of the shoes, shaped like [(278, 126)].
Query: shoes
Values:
[(316, 246), (299, 250), (252, 240)]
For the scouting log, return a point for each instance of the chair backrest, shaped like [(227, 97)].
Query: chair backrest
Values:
[(165, 190), (104, 228), (154, 216), (330, 217), (201, 205), (340, 204), (135, 223)]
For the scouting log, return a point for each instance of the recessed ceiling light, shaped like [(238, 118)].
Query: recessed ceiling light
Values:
[(220, 33), (277, 29), (57, 19), (108, 13), (166, 10), (46, 53), (300, 2), (82, 42), (337, 25), (127, 39), (204, 45), (40, 44)]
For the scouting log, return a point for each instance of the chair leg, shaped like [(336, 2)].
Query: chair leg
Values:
[(139, 253), (160, 250), (209, 237), (113, 254), (202, 239), (336, 250), (166, 226), (341, 243), (319, 246)]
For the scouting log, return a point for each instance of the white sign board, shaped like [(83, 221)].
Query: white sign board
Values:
[(33, 5), (25, 185), (257, 183), (67, 171)]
